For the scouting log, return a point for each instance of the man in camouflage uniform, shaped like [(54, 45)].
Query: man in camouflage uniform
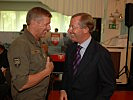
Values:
[(30, 66)]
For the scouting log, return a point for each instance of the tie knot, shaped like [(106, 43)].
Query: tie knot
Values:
[(79, 48)]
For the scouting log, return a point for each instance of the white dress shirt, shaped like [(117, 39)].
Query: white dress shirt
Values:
[(84, 45)]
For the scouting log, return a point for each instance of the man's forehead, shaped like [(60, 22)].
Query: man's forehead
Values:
[(74, 20), (45, 20)]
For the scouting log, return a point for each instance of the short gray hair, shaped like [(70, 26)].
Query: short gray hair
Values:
[(37, 13)]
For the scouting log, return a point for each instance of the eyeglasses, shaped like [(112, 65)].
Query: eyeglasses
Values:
[(73, 27)]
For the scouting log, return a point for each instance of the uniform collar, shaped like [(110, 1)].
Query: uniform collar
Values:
[(31, 38)]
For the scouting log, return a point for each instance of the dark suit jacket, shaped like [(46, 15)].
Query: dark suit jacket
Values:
[(95, 79)]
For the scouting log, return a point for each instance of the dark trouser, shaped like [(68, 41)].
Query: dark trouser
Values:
[(4, 91)]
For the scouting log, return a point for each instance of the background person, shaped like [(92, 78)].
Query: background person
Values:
[(30, 66), (4, 64), (93, 77), (3, 59), (24, 27), (56, 30), (4, 73)]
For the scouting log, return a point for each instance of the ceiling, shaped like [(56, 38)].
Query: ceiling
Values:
[(21, 0)]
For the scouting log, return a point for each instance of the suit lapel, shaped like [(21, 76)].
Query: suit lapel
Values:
[(71, 57), (86, 58)]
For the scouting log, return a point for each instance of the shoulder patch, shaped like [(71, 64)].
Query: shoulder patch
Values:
[(17, 62)]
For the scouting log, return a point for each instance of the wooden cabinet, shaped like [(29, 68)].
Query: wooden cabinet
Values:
[(118, 55)]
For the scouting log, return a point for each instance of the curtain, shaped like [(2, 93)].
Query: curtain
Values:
[(70, 7), (14, 20)]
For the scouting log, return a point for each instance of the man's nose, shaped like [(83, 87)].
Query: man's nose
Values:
[(69, 30)]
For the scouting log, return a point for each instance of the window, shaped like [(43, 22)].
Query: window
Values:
[(60, 21), (14, 20)]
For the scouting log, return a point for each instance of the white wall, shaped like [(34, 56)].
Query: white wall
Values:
[(112, 5), (8, 37)]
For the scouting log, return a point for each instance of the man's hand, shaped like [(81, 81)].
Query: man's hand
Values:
[(49, 66), (4, 70), (36, 78), (63, 95)]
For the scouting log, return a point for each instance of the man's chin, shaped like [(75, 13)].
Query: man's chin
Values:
[(43, 35), (73, 39)]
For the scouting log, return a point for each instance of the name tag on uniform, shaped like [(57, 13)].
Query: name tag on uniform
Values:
[(35, 51)]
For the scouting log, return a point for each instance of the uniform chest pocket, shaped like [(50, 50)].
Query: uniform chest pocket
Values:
[(37, 60)]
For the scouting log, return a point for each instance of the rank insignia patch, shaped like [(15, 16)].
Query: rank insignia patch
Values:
[(17, 62)]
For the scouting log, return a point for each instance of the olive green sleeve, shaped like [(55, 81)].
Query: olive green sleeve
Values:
[(18, 55)]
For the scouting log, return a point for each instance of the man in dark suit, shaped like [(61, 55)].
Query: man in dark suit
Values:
[(94, 78)]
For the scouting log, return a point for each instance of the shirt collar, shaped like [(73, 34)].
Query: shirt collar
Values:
[(86, 43)]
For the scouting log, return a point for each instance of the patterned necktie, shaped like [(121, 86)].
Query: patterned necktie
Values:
[(77, 58)]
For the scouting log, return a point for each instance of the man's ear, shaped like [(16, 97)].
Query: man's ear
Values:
[(86, 30)]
